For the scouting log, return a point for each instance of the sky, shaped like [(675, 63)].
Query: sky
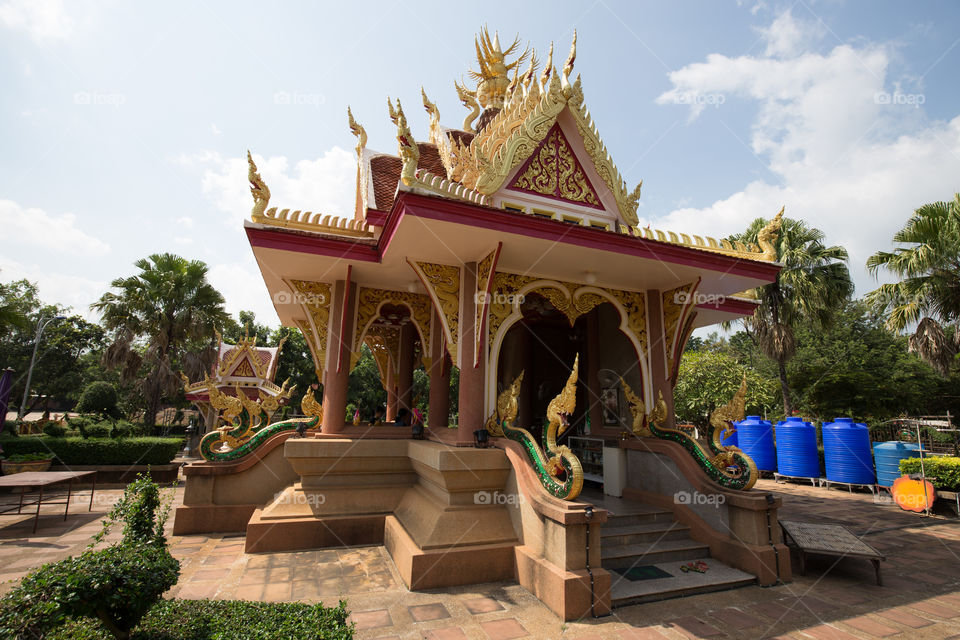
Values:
[(124, 126)]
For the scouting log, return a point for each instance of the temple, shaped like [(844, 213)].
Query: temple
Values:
[(507, 247)]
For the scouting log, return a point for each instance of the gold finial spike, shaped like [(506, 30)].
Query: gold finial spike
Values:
[(258, 189), (767, 236), (358, 131), (430, 107), (568, 65), (545, 76), (391, 110)]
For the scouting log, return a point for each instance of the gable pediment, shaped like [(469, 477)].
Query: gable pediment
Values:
[(554, 171)]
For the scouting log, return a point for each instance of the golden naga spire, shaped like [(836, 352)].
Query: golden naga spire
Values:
[(494, 74), (767, 236), (407, 146), (568, 65), (258, 188), (358, 131)]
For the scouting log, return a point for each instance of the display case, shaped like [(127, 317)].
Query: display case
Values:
[(590, 453)]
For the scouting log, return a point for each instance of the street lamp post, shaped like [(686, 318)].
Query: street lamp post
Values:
[(33, 360)]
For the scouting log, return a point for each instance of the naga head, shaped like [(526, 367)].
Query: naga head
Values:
[(561, 407)]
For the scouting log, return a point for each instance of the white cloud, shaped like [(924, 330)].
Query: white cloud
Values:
[(37, 228), (186, 222), (56, 287), (327, 184), (846, 158), (215, 130), (787, 36), (43, 20), (244, 290)]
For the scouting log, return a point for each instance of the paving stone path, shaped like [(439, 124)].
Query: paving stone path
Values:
[(837, 600)]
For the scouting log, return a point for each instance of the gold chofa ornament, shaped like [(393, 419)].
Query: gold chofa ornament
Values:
[(492, 79)]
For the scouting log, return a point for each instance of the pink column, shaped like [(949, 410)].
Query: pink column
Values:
[(405, 377), (657, 358), (439, 410), (338, 349), (391, 413), (471, 378)]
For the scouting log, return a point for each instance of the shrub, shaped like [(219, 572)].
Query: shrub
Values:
[(116, 585), (124, 429), (54, 430), (100, 430), (98, 451), (29, 457), (100, 398), (942, 471), (227, 619)]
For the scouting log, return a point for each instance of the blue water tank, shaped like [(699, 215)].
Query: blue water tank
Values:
[(888, 456), (730, 440), (755, 438), (847, 452), (797, 454)]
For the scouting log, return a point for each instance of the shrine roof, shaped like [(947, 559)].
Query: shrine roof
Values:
[(510, 124)]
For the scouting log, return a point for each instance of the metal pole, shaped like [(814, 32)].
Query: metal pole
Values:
[(33, 360), (923, 473)]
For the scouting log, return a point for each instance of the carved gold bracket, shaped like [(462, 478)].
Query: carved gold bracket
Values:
[(442, 282), (677, 304), (486, 269), (314, 299)]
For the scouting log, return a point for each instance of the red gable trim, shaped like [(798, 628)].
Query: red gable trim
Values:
[(566, 233), (317, 245)]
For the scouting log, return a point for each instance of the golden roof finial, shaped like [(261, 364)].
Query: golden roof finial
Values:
[(767, 236), (430, 107), (568, 65), (258, 188), (545, 76), (358, 131), (493, 77), (408, 149), (469, 100)]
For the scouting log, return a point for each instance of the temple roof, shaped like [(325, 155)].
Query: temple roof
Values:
[(243, 364), (528, 146)]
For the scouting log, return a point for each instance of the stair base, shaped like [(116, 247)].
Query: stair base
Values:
[(718, 578)]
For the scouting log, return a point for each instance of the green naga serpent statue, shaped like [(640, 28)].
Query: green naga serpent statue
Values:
[(244, 419), (557, 468), (727, 466)]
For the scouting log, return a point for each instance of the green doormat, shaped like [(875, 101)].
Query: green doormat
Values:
[(645, 572)]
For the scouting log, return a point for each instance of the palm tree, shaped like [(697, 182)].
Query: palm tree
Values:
[(152, 316), (813, 282), (928, 292)]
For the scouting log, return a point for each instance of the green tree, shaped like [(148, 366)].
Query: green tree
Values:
[(152, 316), (928, 292), (813, 282), (708, 379)]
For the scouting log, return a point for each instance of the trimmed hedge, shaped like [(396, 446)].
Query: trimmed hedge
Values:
[(226, 620), (97, 450), (942, 471)]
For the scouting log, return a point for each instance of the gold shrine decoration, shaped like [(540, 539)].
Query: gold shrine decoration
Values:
[(384, 342), (554, 171), (244, 348), (676, 305), (369, 302), (570, 298), (315, 299), (486, 269), (493, 77), (442, 282), (407, 147), (764, 250)]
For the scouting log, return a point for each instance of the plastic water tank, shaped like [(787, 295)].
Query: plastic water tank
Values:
[(888, 456), (797, 454), (730, 440), (755, 438), (847, 452)]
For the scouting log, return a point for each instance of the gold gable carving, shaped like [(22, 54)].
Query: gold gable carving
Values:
[(315, 298), (442, 282), (555, 172), (369, 302)]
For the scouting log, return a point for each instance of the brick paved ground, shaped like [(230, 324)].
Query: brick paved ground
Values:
[(920, 599)]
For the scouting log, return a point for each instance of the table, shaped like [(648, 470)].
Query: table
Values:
[(41, 479), (828, 540)]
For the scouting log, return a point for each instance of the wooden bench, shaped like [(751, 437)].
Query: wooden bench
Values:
[(29, 481), (828, 540)]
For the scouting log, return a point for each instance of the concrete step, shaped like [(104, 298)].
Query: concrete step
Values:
[(638, 517), (613, 536), (719, 577), (628, 555)]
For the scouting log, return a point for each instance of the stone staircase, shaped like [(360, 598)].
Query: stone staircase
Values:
[(639, 539)]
